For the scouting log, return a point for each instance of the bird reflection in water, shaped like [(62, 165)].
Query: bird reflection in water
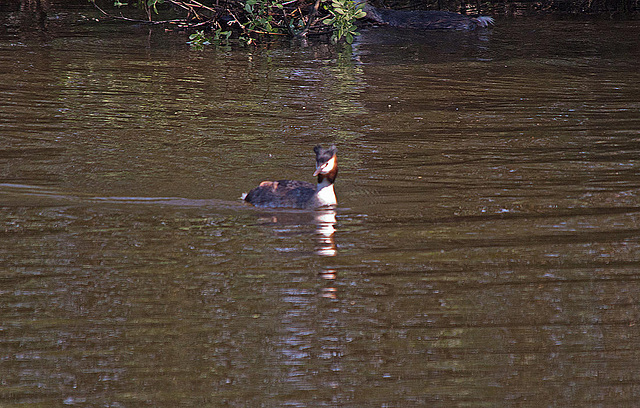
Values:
[(325, 220)]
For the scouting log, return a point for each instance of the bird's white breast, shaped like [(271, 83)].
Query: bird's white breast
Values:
[(325, 195)]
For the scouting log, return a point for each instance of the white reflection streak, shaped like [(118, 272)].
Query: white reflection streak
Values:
[(325, 219)]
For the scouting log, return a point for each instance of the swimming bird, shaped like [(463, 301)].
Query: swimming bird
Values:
[(300, 194)]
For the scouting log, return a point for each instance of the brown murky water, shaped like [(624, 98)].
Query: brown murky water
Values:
[(486, 251)]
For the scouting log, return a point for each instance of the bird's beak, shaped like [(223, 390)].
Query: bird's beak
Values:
[(325, 167)]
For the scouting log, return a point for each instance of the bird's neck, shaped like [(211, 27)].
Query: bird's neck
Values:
[(324, 190)]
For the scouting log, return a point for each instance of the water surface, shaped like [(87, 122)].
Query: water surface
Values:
[(484, 253)]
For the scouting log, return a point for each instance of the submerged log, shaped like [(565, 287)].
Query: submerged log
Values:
[(425, 19)]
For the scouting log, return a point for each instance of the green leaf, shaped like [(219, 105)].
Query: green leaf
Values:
[(349, 38)]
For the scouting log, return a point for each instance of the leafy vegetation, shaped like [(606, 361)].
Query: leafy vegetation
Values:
[(343, 15), (252, 21)]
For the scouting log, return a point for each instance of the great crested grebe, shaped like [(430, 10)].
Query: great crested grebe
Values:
[(300, 194), (424, 19)]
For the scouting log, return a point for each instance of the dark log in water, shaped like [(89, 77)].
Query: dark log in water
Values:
[(426, 19)]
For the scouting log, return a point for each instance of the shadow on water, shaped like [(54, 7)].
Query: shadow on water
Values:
[(380, 45)]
